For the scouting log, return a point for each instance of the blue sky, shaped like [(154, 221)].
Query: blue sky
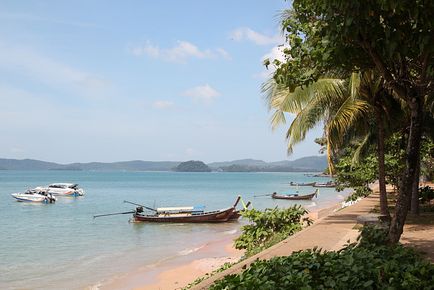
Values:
[(151, 80)]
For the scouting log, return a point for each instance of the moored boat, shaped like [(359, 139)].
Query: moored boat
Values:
[(181, 214), (325, 184), (67, 189), (295, 196), (34, 195), (302, 184), (176, 216)]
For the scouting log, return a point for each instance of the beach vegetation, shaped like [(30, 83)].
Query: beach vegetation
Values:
[(390, 41), (225, 266), (371, 263), (269, 227), (426, 194)]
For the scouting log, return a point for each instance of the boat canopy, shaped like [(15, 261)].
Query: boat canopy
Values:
[(197, 208)]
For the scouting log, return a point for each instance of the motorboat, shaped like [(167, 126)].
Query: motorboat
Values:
[(34, 195), (67, 189)]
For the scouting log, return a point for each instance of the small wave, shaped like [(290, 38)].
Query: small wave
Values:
[(188, 251), (230, 232), (94, 287), (311, 205)]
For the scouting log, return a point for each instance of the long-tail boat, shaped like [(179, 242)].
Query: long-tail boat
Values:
[(295, 196), (181, 214), (173, 216), (325, 184), (302, 184)]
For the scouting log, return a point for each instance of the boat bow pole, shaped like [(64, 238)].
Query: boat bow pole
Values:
[(141, 205)]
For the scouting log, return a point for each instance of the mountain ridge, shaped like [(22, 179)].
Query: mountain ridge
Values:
[(310, 163)]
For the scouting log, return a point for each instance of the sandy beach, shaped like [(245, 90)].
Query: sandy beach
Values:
[(181, 271)]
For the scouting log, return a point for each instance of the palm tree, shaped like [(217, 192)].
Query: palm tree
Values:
[(340, 105), (328, 100)]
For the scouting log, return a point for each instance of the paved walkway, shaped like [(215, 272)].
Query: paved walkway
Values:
[(329, 233)]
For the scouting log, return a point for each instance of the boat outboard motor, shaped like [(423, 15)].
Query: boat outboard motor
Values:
[(51, 198)]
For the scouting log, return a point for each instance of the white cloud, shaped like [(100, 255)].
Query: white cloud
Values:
[(161, 104), (51, 72), (203, 93), (245, 33), (180, 53), (275, 53)]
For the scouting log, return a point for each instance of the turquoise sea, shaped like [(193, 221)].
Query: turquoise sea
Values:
[(61, 246)]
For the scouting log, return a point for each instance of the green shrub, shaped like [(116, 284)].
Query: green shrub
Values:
[(359, 191), (369, 265), (426, 194), (269, 227)]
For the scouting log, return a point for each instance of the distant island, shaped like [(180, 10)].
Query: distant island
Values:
[(305, 164), (192, 166)]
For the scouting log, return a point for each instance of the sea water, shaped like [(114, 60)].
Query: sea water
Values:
[(61, 245)]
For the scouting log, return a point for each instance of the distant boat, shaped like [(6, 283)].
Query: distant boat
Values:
[(34, 195), (295, 196), (325, 184), (67, 189), (302, 184)]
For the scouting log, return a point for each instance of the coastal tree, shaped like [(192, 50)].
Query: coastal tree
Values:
[(394, 38), (327, 100)]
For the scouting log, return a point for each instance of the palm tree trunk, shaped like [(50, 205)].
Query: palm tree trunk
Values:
[(412, 157), (381, 167), (330, 158)]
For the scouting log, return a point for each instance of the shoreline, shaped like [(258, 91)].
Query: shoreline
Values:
[(183, 270), (180, 271)]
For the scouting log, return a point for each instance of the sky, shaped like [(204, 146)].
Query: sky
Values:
[(95, 80)]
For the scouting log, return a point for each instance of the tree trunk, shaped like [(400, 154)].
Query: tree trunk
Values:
[(331, 167), (415, 191), (381, 171), (412, 157)]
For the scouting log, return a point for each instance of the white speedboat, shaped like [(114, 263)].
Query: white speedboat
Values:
[(34, 195), (68, 189)]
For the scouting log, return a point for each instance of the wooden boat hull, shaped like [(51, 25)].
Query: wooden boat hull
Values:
[(302, 184), (207, 217), (294, 197), (330, 185)]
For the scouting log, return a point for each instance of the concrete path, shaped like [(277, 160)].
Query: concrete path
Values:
[(331, 232)]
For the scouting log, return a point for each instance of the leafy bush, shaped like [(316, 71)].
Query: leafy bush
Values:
[(426, 194), (225, 266), (369, 265), (359, 191), (269, 227)]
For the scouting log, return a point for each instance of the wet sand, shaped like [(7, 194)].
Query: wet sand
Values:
[(182, 270)]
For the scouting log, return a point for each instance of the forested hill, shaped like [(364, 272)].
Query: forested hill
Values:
[(311, 163)]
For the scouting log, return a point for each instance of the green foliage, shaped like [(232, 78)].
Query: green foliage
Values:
[(269, 227), (426, 194), (225, 266), (350, 174), (359, 191), (342, 35), (373, 236), (370, 265), (427, 158)]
